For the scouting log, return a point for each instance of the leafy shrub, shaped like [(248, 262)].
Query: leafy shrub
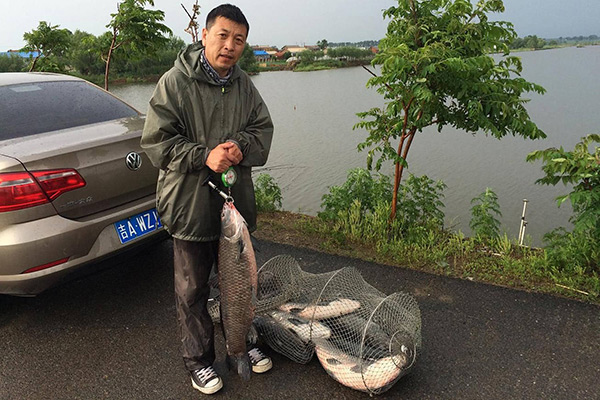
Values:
[(360, 209), (573, 252), (13, 63), (580, 168), (359, 186), (420, 204), (484, 224), (267, 193)]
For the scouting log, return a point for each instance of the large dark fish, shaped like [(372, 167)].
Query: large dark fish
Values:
[(238, 280)]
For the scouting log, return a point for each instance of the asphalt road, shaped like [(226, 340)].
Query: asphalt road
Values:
[(113, 335)]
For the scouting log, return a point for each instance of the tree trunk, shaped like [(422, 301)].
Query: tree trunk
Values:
[(403, 149), (397, 178), (33, 63), (110, 50)]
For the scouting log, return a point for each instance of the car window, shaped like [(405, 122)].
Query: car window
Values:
[(39, 107)]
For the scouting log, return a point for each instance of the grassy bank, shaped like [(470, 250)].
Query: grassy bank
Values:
[(117, 79), (312, 66), (455, 256), (273, 66)]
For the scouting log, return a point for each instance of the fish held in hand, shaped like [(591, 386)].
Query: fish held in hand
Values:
[(238, 281)]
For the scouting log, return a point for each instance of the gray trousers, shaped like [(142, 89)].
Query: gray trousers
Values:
[(193, 262)]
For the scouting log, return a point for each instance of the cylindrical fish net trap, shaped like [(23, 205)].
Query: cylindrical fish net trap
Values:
[(363, 338)]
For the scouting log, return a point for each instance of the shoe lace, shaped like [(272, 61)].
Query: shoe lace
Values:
[(256, 355), (205, 374)]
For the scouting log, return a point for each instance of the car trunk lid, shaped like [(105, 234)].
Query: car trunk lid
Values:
[(107, 155)]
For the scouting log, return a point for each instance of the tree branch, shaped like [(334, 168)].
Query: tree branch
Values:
[(369, 71), (387, 85), (192, 27), (432, 123), (413, 10), (186, 11)]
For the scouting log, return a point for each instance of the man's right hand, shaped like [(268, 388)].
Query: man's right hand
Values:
[(222, 157)]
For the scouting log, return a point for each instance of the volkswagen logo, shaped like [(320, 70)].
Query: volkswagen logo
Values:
[(133, 161)]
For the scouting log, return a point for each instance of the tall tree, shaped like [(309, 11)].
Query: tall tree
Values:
[(436, 70), (247, 60), (84, 53), (323, 44), (46, 40), (136, 27)]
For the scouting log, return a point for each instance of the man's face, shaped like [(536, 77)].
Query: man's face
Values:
[(224, 43)]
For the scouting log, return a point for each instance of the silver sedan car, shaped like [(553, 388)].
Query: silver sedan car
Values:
[(75, 186)]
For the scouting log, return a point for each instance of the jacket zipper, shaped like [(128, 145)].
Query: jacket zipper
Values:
[(222, 109)]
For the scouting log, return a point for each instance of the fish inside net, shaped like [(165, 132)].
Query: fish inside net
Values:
[(363, 338)]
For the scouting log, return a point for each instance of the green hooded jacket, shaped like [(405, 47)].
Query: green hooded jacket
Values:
[(189, 114)]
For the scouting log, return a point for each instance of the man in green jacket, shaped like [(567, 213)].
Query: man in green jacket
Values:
[(205, 116)]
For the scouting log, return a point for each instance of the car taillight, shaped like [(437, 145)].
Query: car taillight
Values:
[(57, 182), (20, 190), (45, 266)]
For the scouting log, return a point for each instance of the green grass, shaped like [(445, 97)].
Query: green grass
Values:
[(444, 253)]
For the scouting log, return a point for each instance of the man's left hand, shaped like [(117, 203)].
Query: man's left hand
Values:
[(234, 153)]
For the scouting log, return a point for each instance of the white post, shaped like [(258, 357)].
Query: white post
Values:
[(523, 223)]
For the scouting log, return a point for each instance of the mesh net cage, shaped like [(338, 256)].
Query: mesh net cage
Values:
[(364, 339)]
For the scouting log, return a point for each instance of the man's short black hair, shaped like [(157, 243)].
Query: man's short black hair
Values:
[(230, 12)]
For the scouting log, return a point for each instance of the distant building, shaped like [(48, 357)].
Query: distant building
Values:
[(265, 48), (259, 53), (294, 50), (261, 56)]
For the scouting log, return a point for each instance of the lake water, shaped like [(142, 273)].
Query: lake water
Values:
[(314, 144)]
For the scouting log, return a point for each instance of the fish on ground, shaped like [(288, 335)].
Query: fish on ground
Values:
[(283, 340), (303, 328), (323, 310), (357, 336), (238, 283), (359, 374)]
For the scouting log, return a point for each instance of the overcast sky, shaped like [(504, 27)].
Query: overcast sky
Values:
[(296, 22)]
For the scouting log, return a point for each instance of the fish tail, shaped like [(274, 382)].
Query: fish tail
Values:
[(241, 364)]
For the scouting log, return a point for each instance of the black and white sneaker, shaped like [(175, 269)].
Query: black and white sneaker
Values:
[(260, 362), (206, 380)]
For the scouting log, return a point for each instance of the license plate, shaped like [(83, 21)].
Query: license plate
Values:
[(137, 225)]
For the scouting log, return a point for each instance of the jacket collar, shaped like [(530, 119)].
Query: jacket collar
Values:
[(212, 72), (189, 62)]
